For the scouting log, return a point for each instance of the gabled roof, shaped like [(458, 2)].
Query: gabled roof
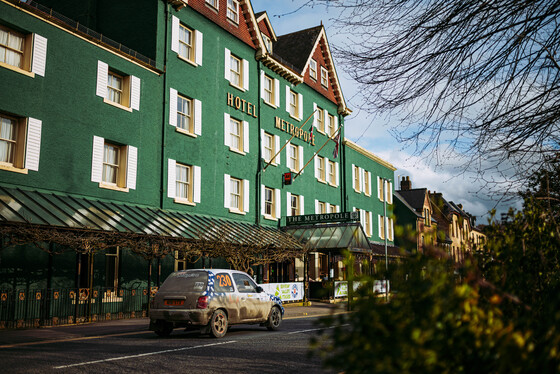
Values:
[(406, 204), (262, 17), (297, 47), (415, 197)]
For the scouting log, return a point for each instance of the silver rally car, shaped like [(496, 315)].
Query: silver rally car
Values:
[(213, 300)]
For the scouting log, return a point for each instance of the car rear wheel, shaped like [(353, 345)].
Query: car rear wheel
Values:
[(218, 324), (163, 328), (274, 319)]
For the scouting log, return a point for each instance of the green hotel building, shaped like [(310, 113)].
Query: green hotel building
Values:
[(131, 128)]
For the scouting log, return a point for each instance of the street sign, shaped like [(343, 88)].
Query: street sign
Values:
[(310, 219)]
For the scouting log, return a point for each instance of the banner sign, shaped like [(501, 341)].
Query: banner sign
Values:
[(322, 218), (285, 291), (341, 288)]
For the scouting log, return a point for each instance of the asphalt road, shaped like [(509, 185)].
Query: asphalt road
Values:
[(127, 346)]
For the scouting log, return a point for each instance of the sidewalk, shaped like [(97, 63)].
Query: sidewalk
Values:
[(32, 336)]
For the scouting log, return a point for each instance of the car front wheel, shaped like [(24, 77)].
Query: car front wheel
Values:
[(219, 324), (274, 319)]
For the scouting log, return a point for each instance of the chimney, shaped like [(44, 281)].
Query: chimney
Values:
[(406, 185), (460, 206)]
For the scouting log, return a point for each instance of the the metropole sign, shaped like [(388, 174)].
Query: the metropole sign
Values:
[(322, 218)]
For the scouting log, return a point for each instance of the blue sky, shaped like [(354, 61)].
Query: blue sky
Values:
[(372, 132)]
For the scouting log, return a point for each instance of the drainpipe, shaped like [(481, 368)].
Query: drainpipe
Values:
[(259, 153), (164, 108), (342, 155)]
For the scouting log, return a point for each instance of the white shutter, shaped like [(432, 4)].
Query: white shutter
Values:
[(288, 99), (39, 55), (197, 176), (326, 119), (300, 158), (33, 144), (369, 184), (171, 178), (363, 217), (301, 205), (102, 73), (135, 93), (337, 174), (353, 178), (392, 231), (288, 204), (338, 208), (380, 224), (277, 148), (328, 207), (262, 143), (263, 196), (370, 223), (277, 202), (227, 196), (198, 46), (246, 74), (390, 192), (226, 129), (197, 117), (378, 185), (175, 34), (317, 206), (287, 148), (335, 123), (173, 107), (245, 195), (97, 159), (316, 162), (262, 84), (227, 64), (315, 115), (131, 167), (300, 106), (246, 136), (276, 92)]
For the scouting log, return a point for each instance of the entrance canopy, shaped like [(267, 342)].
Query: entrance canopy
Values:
[(70, 212), (331, 237)]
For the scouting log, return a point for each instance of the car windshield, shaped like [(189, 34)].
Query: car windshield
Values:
[(189, 281)]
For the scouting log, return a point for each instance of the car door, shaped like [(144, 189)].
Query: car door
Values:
[(254, 306)]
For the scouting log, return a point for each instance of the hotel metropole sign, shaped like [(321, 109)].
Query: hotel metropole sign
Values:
[(309, 219)]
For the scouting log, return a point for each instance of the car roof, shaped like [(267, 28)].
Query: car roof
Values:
[(215, 270)]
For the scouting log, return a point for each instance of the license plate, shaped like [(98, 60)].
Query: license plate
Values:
[(174, 302)]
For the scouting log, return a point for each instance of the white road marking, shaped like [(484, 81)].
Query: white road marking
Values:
[(142, 355), (319, 329)]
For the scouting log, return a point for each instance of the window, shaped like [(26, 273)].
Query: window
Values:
[(320, 168), (118, 89), (367, 183), (356, 182), (333, 179), (331, 125), (380, 191), (267, 42), (244, 283), (381, 227), (233, 10), (293, 160), (386, 192), (270, 202), (367, 223), (320, 120), (333, 209), (268, 89), (268, 147), (23, 53), (427, 220), (385, 224), (213, 3), (236, 194), (112, 268), (183, 184), (236, 71), (20, 143), (324, 77), (321, 207), (186, 42), (113, 165), (236, 134), (295, 204), (294, 104), (236, 197), (313, 69), (185, 113)]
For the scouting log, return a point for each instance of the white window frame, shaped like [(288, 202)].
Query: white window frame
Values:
[(275, 213), (232, 11), (172, 181), (127, 163), (196, 43), (130, 99), (33, 53), (295, 109), (243, 137), (26, 144), (196, 108), (244, 74), (324, 77), (321, 172), (299, 201), (243, 205), (275, 143), (313, 69), (273, 93)]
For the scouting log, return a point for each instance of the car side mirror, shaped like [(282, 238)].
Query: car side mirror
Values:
[(259, 289)]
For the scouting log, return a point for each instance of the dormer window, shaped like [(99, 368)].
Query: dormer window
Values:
[(233, 10), (313, 69), (267, 43)]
